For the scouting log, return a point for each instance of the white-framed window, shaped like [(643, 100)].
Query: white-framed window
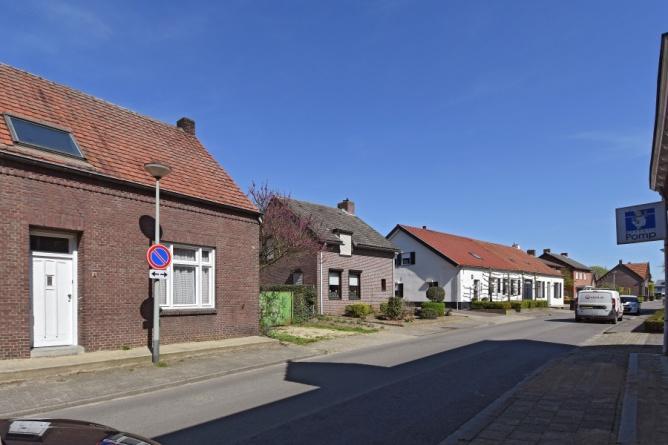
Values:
[(191, 282)]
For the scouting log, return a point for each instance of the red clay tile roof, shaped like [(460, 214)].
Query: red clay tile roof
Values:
[(116, 142), (641, 269), (481, 254)]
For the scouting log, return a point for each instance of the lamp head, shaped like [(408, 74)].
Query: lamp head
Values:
[(157, 169)]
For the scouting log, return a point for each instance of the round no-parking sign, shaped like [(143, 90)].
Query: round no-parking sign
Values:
[(158, 256)]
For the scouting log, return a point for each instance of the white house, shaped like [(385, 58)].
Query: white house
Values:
[(469, 269)]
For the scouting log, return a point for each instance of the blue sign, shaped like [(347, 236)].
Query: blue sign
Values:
[(641, 223), (158, 256)]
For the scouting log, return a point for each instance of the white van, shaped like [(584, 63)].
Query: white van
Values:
[(598, 304)]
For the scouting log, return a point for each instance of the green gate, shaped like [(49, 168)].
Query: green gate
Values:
[(276, 308)]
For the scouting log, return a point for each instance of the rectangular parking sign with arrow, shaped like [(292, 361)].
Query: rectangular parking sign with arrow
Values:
[(158, 274)]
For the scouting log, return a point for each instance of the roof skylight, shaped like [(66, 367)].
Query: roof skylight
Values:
[(43, 136)]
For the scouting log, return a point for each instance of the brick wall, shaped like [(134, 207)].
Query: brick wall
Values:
[(374, 266), (112, 270), (623, 278), (281, 271)]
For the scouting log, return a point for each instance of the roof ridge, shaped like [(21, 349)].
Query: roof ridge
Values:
[(460, 236), (87, 95), (324, 206)]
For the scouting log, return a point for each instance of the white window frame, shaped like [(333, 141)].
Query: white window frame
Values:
[(199, 266)]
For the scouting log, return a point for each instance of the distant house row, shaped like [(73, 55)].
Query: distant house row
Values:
[(358, 264)]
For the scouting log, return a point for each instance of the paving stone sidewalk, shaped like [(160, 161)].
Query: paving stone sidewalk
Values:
[(61, 391), (575, 400)]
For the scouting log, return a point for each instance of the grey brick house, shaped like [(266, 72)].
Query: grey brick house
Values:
[(355, 265)]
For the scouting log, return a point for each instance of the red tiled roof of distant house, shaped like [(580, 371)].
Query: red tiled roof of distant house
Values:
[(642, 269), (480, 254), (116, 142)]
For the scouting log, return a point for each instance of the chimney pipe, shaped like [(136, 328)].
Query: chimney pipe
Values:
[(187, 125), (531, 252), (564, 253), (347, 206), (621, 262), (546, 250), (424, 227)]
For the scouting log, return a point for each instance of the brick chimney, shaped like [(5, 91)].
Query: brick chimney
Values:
[(531, 252), (546, 251), (564, 254), (621, 262), (347, 206), (186, 124)]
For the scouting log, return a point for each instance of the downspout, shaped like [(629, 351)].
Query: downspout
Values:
[(321, 299)]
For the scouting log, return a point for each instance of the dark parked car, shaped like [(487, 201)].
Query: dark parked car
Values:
[(64, 432), (631, 304)]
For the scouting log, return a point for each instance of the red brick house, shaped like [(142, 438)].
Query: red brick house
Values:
[(76, 217), (581, 274), (633, 277), (355, 265)]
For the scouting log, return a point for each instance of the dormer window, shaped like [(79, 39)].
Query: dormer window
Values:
[(43, 136), (346, 247)]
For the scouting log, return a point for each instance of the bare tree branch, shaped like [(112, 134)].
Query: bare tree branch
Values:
[(282, 231)]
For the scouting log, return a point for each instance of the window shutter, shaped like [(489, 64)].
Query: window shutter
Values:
[(397, 260), (412, 257)]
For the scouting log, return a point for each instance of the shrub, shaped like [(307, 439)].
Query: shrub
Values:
[(436, 294), (654, 322), (490, 305), (640, 299), (528, 304), (358, 310), (429, 313), (432, 305), (393, 309)]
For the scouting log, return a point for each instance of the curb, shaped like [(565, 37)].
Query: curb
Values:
[(629, 416), (146, 389), (19, 376)]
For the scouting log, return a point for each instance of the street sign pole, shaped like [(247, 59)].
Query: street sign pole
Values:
[(155, 353)]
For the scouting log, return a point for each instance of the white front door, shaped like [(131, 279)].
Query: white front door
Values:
[(52, 296)]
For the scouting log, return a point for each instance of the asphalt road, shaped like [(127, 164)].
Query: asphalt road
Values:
[(414, 392)]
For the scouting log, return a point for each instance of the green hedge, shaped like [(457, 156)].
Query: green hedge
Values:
[(490, 305), (358, 310), (429, 313), (654, 322), (528, 304), (432, 305), (517, 305)]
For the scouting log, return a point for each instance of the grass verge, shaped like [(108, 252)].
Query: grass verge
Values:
[(282, 336), (338, 327)]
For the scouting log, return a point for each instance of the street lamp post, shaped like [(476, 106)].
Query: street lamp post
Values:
[(158, 171)]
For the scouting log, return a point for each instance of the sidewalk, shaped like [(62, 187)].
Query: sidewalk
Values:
[(23, 369), (580, 398)]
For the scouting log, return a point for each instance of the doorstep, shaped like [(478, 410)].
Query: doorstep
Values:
[(22, 369)]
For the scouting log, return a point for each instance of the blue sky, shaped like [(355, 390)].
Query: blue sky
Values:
[(515, 121)]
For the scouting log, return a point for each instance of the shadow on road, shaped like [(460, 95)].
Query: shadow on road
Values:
[(418, 402)]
